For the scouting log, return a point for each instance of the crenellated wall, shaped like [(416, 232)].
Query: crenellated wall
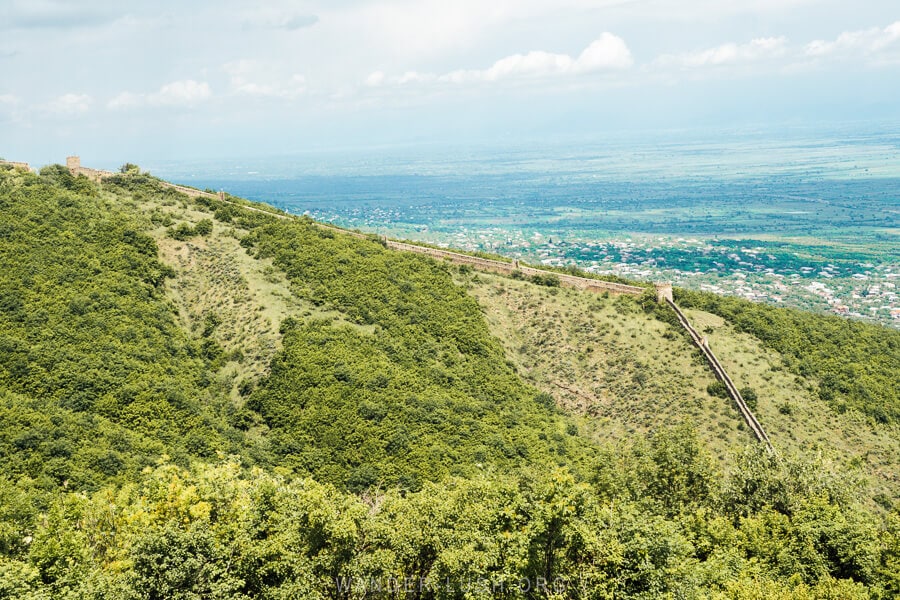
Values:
[(73, 163), (497, 266), (192, 192), (16, 165), (507, 268)]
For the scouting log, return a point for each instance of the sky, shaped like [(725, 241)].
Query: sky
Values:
[(114, 80)]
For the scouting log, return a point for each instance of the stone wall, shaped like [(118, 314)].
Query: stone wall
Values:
[(94, 175), (73, 163), (16, 165), (722, 376), (192, 192), (505, 268)]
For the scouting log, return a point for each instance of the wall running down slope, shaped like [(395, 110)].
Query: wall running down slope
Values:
[(663, 294), (722, 375), (663, 291)]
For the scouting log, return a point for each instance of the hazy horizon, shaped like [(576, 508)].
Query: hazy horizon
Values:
[(116, 81)]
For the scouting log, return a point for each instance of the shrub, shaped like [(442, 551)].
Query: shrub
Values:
[(750, 397), (547, 280), (182, 232), (204, 227), (717, 389)]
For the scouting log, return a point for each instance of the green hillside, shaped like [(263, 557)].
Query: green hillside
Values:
[(629, 373), (204, 401), (414, 384), (93, 365), (855, 364)]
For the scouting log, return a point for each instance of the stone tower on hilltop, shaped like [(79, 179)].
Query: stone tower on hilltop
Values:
[(664, 292)]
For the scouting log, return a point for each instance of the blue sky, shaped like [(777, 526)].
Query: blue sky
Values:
[(118, 81)]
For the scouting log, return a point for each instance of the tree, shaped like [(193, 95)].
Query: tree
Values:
[(717, 389), (750, 397), (203, 227)]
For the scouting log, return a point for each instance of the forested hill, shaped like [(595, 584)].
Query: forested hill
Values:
[(203, 401)]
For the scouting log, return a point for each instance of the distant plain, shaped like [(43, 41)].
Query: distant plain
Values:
[(805, 218)]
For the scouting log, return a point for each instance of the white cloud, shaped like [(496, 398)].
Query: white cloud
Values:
[(533, 64), (863, 41), (181, 93), (185, 93), (256, 78), (375, 79), (727, 54), (414, 77), (69, 105), (125, 100), (607, 53), (267, 19)]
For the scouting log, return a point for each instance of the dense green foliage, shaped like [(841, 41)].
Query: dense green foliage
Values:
[(857, 365), (547, 280), (95, 374), (656, 521), (404, 457), (416, 391)]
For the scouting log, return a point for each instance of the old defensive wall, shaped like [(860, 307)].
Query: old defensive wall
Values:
[(719, 371), (663, 291), (16, 165), (663, 295), (508, 268), (73, 163)]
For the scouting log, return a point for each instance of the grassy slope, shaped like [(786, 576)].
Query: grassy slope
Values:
[(445, 403), (606, 359), (215, 276), (624, 372), (628, 374), (792, 412)]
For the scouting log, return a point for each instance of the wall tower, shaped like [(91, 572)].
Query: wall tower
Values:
[(664, 292)]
